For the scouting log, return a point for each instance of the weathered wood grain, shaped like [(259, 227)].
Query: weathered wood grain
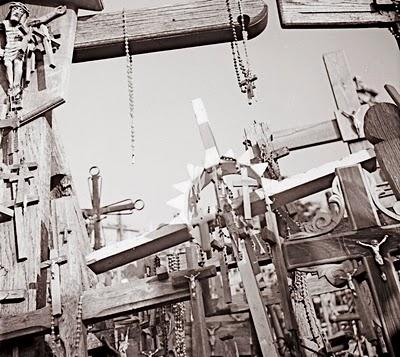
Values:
[(332, 13), (386, 295), (359, 205), (74, 275), (12, 296), (334, 248), (175, 26), (200, 345), (144, 294), (94, 5), (394, 94), (308, 135), (129, 250), (382, 129), (31, 323), (314, 180), (257, 307)]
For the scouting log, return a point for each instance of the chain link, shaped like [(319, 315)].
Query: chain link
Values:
[(244, 77), (131, 93), (78, 332)]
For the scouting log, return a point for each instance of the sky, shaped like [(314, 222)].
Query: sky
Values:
[(292, 89)]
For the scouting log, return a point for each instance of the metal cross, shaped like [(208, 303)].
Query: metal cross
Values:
[(95, 214)]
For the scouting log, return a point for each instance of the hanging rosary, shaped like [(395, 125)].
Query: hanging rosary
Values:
[(129, 74), (244, 76)]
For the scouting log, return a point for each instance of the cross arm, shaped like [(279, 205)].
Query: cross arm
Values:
[(333, 13), (333, 248), (184, 25), (308, 135), (135, 248), (29, 323), (138, 295)]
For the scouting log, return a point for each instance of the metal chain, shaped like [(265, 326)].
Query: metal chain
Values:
[(131, 93), (178, 311), (237, 58), (244, 77), (245, 35), (78, 332), (301, 294)]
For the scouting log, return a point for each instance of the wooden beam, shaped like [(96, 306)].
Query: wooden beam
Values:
[(332, 13), (143, 294), (94, 5), (30, 323), (198, 23), (200, 344), (308, 135), (12, 296), (359, 205), (136, 248), (256, 306), (314, 180), (334, 248)]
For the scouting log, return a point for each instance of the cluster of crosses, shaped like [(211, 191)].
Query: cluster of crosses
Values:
[(48, 283)]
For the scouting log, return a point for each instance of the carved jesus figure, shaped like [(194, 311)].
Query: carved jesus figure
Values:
[(20, 40), (375, 246)]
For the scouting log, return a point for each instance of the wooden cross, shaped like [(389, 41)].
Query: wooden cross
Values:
[(21, 175), (108, 302), (340, 14), (189, 25), (348, 112), (332, 248), (200, 345)]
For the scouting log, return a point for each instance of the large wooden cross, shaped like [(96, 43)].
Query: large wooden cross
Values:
[(59, 38)]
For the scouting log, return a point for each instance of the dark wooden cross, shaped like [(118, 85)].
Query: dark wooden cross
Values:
[(340, 14), (362, 244), (97, 213)]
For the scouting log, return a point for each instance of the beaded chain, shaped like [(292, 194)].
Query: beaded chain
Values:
[(243, 72), (178, 311), (78, 332), (131, 94)]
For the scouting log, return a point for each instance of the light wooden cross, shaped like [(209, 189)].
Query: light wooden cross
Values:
[(24, 194)]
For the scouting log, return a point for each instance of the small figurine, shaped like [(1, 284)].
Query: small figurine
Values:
[(375, 246), (192, 282), (23, 37)]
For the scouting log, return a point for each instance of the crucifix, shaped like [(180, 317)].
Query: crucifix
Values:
[(97, 213)]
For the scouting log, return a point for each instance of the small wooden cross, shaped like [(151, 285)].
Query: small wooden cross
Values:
[(21, 175), (54, 264)]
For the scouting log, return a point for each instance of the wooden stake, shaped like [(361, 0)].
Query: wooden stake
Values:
[(200, 344)]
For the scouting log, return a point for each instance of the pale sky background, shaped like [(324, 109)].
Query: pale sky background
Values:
[(292, 89)]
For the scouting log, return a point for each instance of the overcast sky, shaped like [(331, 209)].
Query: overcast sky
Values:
[(292, 89)]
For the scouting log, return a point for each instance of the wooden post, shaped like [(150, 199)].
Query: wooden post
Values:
[(200, 344), (256, 305), (34, 144)]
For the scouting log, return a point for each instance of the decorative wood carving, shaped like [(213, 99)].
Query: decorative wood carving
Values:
[(325, 222)]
